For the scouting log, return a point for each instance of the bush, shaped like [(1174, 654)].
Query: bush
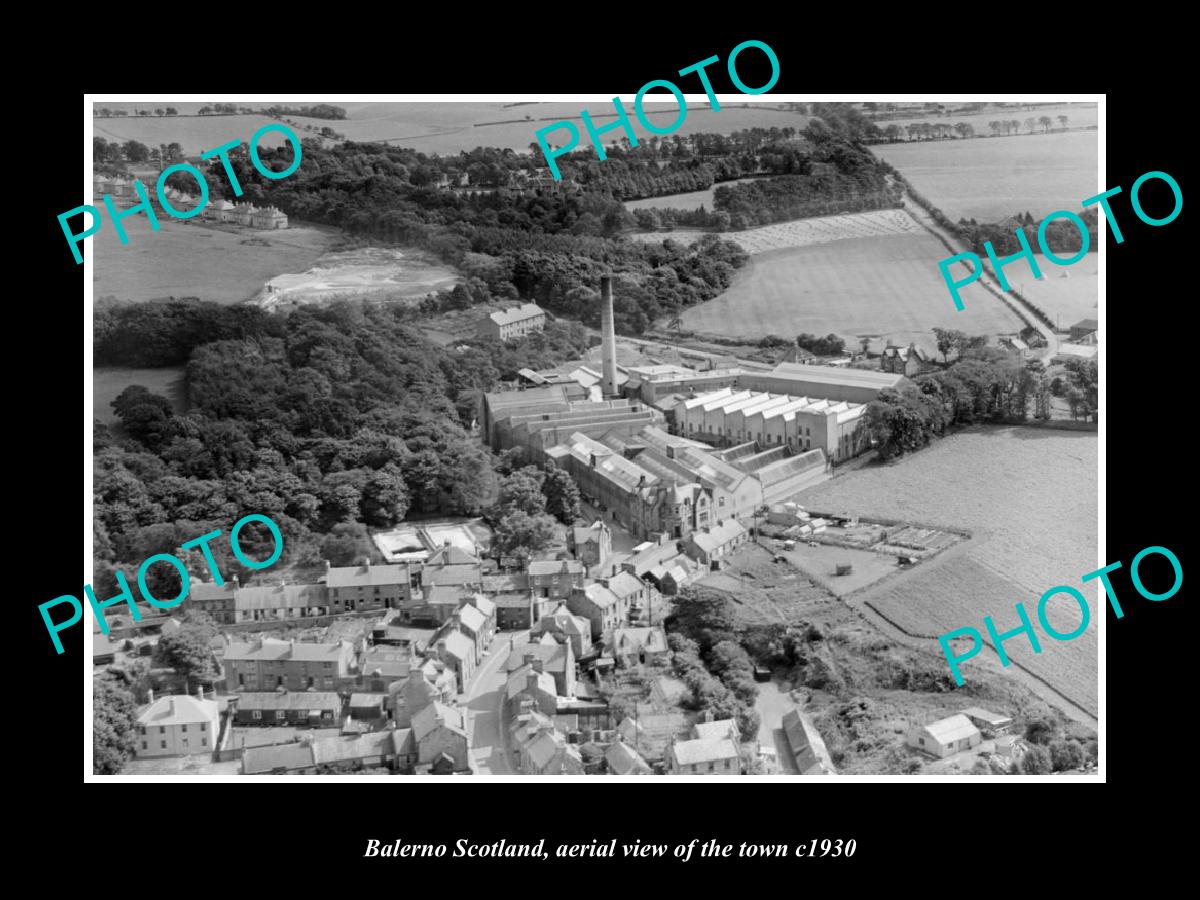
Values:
[(127, 646), (1041, 731), (1065, 755), (913, 766), (1036, 761)]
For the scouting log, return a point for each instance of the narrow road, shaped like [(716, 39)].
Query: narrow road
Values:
[(484, 696)]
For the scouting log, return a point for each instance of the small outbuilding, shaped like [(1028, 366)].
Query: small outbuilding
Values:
[(988, 722), (946, 737)]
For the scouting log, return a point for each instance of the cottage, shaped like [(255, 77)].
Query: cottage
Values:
[(624, 760), (566, 626), (515, 322), (531, 682), (540, 749), (430, 683), (945, 737), (368, 707), (909, 361), (599, 606), (802, 742), (267, 664), (557, 659), (177, 726), (592, 545), (440, 729), (555, 578), (457, 651), (711, 544), (381, 667), (704, 756), (634, 594), (312, 709), (632, 646), (365, 587), (471, 622)]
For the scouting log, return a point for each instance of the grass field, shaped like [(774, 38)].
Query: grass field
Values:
[(1029, 497), (108, 382), (1078, 115), (375, 273), (442, 127), (988, 180), (886, 286), (690, 200), (194, 133), (1069, 293), (192, 260)]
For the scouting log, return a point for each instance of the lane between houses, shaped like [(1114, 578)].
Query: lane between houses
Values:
[(484, 697)]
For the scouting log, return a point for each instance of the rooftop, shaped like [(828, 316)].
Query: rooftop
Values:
[(181, 709), (951, 728), (517, 314)]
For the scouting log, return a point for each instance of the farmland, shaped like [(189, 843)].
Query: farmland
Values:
[(996, 482), (1079, 115), (194, 133), (988, 180), (225, 263), (1066, 294), (886, 285)]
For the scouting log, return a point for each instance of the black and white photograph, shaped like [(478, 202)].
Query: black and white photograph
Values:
[(747, 435)]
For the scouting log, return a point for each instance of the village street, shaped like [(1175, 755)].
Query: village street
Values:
[(484, 697)]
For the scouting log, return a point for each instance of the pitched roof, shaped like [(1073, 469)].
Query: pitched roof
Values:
[(471, 618), (344, 749), (483, 604), (555, 567), (260, 760), (518, 681), (718, 535), (625, 584), (180, 709), (600, 595), (280, 596), (436, 715), (451, 555), (459, 645), (452, 575), (517, 314), (1091, 324), (800, 740), (624, 760), (367, 699), (721, 728), (365, 576), (632, 640), (837, 375), (703, 750), (288, 700), (553, 656), (270, 649), (984, 715), (952, 728)]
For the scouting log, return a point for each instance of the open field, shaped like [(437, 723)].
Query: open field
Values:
[(689, 200), (1029, 497), (1068, 294), (988, 180), (443, 127), (108, 382), (800, 232), (1079, 115), (225, 263), (194, 133), (886, 286)]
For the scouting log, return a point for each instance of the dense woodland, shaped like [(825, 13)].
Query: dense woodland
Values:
[(326, 420)]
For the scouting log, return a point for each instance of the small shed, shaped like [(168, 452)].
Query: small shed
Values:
[(988, 722), (946, 737)]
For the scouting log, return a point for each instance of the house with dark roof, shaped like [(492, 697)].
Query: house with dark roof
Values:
[(557, 659), (566, 626), (555, 578), (312, 709), (622, 759), (354, 588), (440, 729), (910, 360), (801, 741), (1083, 328), (267, 664)]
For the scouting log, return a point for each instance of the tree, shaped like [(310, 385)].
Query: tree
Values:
[(522, 491), (187, 651), (1036, 761), (1062, 121), (172, 111), (347, 544), (384, 497), (1045, 122), (520, 534), (562, 496), (965, 129), (114, 727), (1041, 731), (1067, 754), (1030, 124), (145, 416), (159, 112), (949, 339), (135, 151)]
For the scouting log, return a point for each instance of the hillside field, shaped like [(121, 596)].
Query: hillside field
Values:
[(194, 133), (182, 259), (1029, 497), (886, 285), (988, 180)]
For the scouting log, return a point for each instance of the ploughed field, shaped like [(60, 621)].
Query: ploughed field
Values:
[(1029, 496)]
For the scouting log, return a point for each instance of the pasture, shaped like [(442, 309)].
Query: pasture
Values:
[(883, 286), (194, 133), (1079, 115), (1067, 294), (224, 263), (1030, 499), (988, 180)]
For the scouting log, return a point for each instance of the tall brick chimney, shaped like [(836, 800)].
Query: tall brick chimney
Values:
[(608, 337)]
